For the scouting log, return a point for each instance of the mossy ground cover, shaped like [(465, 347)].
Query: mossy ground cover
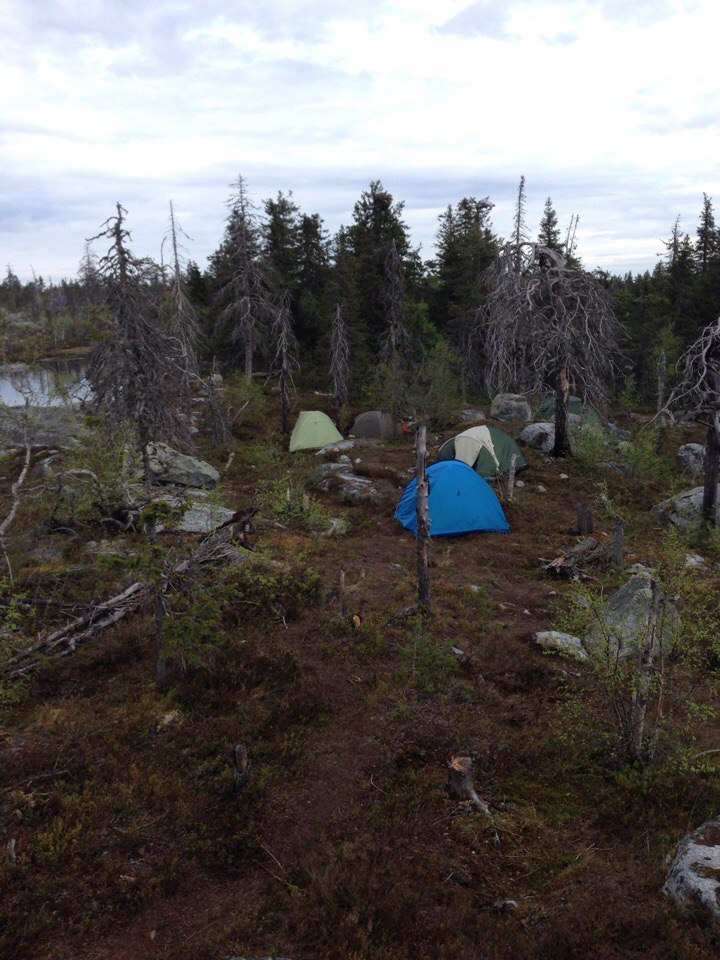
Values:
[(131, 843)]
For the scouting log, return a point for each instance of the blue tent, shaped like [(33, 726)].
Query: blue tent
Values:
[(459, 501)]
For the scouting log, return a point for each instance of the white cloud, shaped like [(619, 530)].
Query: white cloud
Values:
[(608, 107)]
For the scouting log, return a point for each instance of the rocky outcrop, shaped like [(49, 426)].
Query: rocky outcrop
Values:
[(510, 406), (44, 427), (558, 642), (684, 512), (340, 479), (201, 514), (622, 620), (539, 436), (693, 880), (690, 458), (466, 416), (168, 466)]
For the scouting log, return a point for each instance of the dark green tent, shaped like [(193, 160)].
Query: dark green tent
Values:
[(576, 407), (475, 439)]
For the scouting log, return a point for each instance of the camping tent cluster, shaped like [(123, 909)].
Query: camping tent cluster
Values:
[(460, 499)]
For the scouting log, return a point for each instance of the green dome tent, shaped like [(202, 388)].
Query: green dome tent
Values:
[(313, 430), (576, 407), (486, 449), (375, 425)]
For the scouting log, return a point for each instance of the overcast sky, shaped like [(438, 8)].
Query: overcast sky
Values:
[(611, 107)]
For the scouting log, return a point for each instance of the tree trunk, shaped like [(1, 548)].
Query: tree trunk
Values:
[(645, 663), (423, 522), (618, 545), (562, 395), (248, 356), (511, 477), (712, 465), (285, 399)]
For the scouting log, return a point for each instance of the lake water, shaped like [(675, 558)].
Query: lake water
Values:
[(50, 384)]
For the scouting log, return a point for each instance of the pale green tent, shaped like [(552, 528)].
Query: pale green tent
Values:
[(313, 430)]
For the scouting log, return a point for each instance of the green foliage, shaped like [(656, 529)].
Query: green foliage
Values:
[(595, 715), (588, 444), (99, 473), (429, 390), (15, 631), (426, 663), (244, 400)]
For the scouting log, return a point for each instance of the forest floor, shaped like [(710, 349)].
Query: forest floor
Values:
[(131, 843)]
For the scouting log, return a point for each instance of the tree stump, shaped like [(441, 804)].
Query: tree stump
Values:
[(583, 523), (461, 786)]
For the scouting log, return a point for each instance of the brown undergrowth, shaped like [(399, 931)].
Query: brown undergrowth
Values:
[(131, 843)]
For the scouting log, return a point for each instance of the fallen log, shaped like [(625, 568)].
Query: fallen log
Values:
[(570, 563), (65, 639)]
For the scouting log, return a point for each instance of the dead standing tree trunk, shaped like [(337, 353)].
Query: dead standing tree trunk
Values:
[(339, 363), (422, 490), (285, 362), (547, 322), (712, 472), (699, 389)]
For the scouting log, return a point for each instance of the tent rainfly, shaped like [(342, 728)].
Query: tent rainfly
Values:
[(459, 501), (313, 430), (588, 415), (487, 449)]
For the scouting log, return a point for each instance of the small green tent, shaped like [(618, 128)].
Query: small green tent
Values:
[(489, 448), (576, 407), (313, 430)]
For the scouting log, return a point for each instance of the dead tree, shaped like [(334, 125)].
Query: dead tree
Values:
[(423, 519), (339, 361), (285, 362), (137, 375), (698, 391), (396, 341), (16, 491), (547, 324), (180, 316), (249, 304), (661, 380)]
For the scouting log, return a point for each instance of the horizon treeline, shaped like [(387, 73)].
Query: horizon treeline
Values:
[(370, 269)]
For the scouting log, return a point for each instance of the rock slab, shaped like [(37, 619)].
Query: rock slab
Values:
[(539, 436), (693, 880), (690, 458), (168, 466), (510, 406), (623, 618), (684, 512)]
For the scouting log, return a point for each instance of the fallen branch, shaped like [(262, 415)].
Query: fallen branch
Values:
[(65, 639)]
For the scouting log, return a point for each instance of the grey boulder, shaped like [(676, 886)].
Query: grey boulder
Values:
[(44, 427), (471, 414), (622, 620), (168, 466), (558, 642), (201, 514), (691, 458), (684, 512), (539, 436), (510, 406), (693, 880)]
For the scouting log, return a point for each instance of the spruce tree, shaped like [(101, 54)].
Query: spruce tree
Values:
[(549, 235)]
